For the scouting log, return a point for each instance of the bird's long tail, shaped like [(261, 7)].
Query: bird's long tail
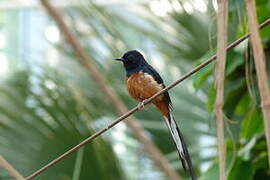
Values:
[(178, 140), (180, 145)]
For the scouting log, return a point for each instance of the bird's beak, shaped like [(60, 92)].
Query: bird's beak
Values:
[(119, 59)]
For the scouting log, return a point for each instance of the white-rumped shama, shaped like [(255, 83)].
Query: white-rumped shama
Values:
[(143, 81)]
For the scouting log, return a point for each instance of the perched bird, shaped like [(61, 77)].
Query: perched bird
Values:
[(143, 81)]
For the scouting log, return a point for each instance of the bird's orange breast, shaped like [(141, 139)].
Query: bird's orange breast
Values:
[(142, 86)]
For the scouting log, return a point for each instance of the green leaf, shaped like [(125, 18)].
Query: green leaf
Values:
[(242, 170), (211, 98), (252, 124), (202, 76), (234, 60), (211, 173)]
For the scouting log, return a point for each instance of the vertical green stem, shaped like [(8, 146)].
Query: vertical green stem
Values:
[(78, 164)]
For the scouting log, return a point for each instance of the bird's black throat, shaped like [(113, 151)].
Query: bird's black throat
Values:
[(131, 69)]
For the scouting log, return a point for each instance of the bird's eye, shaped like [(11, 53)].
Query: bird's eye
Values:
[(132, 58)]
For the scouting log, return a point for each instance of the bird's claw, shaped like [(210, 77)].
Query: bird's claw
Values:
[(141, 105)]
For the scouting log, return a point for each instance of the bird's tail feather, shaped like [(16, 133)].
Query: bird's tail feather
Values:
[(180, 145)]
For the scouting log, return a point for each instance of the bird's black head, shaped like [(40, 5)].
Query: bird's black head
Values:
[(133, 61)]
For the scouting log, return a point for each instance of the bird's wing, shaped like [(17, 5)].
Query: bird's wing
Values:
[(150, 70)]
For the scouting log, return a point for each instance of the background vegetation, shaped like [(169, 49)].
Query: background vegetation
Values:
[(48, 103)]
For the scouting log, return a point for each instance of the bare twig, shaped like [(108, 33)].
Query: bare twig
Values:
[(260, 66), (222, 23), (10, 169), (127, 114), (89, 64)]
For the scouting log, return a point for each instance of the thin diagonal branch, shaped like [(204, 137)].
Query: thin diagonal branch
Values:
[(260, 66), (130, 112), (222, 25), (10, 169), (154, 153)]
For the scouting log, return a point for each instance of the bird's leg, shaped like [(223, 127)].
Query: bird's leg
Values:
[(141, 105)]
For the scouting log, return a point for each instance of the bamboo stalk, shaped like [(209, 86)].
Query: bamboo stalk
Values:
[(259, 58), (89, 64), (10, 169), (222, 24)]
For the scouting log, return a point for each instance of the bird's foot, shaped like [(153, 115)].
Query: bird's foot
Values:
[(141, 105)]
